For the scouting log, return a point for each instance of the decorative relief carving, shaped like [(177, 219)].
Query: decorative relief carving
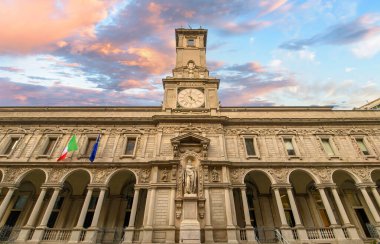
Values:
[(164, 175), (280, 175), (200, 183), (56, 174), (11, 174), (205, 173), (179, 182), (101, 175), (144, 175), (363, 173), (324, 174), (215, 177), (236, 175)]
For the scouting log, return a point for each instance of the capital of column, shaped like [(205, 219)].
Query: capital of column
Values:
[(325, 185), (281, 186), (363, 185)]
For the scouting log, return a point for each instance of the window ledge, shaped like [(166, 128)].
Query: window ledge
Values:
[(5, 155), (253, 157), (127, 156), (334, 157), (294, 157), (43, 156), (369, 156)]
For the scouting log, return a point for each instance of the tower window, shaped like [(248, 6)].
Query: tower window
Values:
[(191, 42)]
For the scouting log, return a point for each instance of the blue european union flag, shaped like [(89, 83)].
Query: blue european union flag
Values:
[(95, 149)]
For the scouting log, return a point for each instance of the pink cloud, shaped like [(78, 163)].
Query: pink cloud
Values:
[(39, 25)]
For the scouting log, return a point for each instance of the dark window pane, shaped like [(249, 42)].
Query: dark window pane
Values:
[(12, 218), (90, 145), (126, 218), (52, 219), (21, 201), (130, 148), (50, 146), (59, 202), (88, 220), (12, 145), (250, 147), (93, 202)]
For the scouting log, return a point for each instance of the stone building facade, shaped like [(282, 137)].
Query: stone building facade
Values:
[(190, 171)]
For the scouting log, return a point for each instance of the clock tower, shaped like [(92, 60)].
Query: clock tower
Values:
[(190, 89)]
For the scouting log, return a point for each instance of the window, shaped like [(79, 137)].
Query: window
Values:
[(289, 147), (191, 42), (11, 145), (320, 207), (129, 146), (363, 148), (249, 146), (90, 145), (327, 147), (49, 145)]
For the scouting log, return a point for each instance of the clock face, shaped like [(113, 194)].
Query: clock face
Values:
[(191, 98)]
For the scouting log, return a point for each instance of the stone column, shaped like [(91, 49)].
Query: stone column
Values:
[(209, 238), (148, 229), (293, 206), (285, 229), (341, 209), (231, 230), (337, 229), (369, 202), (128, 234), (75, 234), (249, 228), (6, 201), (375, 193), (302, 235), (38, 233), (353, 233), (327, 205), (170, 235), (24, 233), (92, 232), (280, 207)]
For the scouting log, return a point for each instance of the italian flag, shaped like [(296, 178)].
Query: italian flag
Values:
[(71, 146)]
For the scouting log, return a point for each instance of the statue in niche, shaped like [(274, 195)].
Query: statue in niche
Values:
[(164, 175), (190, 178), (215, 175)]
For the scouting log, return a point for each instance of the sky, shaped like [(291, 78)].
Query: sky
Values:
[(115, 52)]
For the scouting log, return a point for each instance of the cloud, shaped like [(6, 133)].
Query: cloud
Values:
[(11, 69), (360, 29), (19, 94), (252, 83), (37, 25), (367, 48)]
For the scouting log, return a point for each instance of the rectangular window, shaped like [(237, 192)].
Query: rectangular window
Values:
[(90, 145), (13, 142), (130, 147), (190, 42), (327, 147), (289, 147), (50, 145), (250, 146), (362, 146)]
